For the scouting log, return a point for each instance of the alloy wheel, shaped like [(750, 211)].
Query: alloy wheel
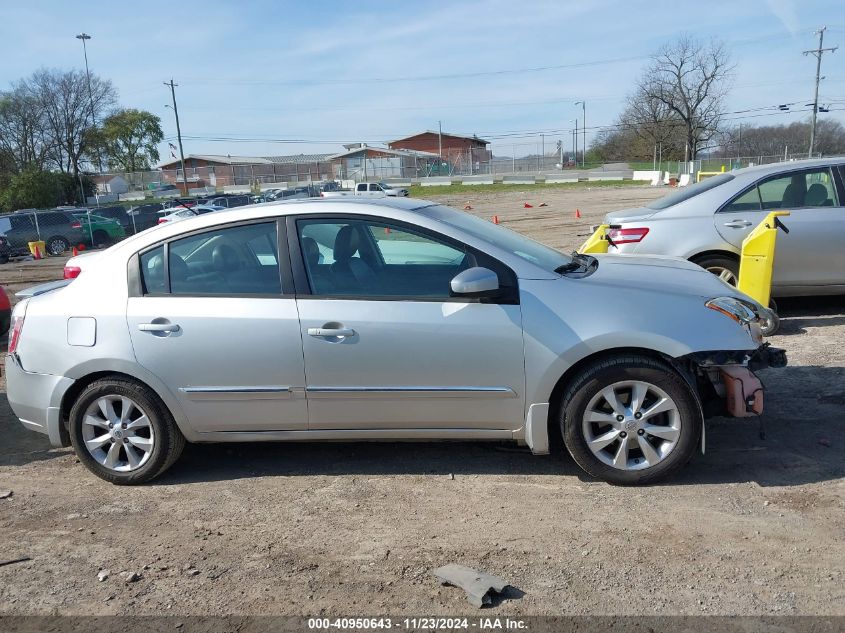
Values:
[(725, 274), (631, 425), (117, 433)]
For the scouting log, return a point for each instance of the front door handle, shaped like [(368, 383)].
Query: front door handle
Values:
[(322, 332), (738, 224), (158, 327)]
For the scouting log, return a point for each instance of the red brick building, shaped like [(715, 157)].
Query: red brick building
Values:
[(460, 151)]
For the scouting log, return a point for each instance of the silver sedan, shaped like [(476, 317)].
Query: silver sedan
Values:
[(706, 223), (394, 319)]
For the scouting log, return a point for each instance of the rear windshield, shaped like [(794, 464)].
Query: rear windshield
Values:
[(689, 192)]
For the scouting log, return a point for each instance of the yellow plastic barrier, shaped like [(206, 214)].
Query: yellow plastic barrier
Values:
[(597, 242), (758, 259), (39, 245)]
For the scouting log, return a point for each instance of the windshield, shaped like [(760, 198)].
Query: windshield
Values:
[(511, 241), (689, 191)]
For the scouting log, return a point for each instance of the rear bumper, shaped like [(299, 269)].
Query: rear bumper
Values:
[(36, 399)]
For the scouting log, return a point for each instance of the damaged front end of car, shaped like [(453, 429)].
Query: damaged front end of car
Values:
[(726, 381)]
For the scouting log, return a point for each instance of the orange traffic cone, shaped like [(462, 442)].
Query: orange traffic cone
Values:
[(495, 219), (543, 204), (387, 230), (527, 206), (467, 206), (577, 213), (75, 252), (37, 253)]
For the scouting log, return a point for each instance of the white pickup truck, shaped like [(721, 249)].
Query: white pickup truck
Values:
[(369, 189)]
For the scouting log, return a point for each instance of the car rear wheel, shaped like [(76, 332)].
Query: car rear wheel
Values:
[(723, 267), (630, 420), (57, 245), (123, 433), (101, 238)]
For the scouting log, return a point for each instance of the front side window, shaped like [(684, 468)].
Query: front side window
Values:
[(232, 261), (375, 259)]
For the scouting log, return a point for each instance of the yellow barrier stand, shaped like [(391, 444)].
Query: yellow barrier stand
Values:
[(758, 258), (597, 242)]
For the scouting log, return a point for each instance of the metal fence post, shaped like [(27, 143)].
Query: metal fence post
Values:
[(37, 228), (90, 227)]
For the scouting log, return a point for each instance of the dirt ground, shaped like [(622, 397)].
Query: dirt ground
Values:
[(755, 526)]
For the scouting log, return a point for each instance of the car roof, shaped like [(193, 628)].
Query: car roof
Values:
[(276, 208), (786, 166)]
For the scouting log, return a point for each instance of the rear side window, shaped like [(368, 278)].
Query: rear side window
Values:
[(225, 262), (748, 201), (690, 192), (152, 271)]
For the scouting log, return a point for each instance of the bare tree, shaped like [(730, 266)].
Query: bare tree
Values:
[(23, 129), (690, 80), (68, 112)]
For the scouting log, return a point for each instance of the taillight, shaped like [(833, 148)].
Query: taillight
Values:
[(627, 236), (76, 225), (71, 272), (161, 220), (15, 336)]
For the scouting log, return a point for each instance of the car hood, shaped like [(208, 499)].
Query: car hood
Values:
[(629, 215), (661, 274)]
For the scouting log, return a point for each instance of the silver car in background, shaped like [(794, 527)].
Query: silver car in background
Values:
[(706, 223), (394, 319)]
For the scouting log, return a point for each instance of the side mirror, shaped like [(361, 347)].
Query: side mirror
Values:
[(475, 282)]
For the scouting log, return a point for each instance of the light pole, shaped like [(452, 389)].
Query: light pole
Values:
[(85, 37), (583, 105), (575, 142)]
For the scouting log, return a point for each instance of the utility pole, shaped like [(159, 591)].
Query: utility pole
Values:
[(818, 52), (178, 132), (575, 136), (543, 151), (440, 141), (584, 128)]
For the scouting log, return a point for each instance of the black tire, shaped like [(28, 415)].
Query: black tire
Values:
[(169, 439), (101, 238), (592, 379), (717, 263), (56, 245), (4, 259)]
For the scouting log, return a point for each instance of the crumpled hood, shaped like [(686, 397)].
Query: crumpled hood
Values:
[(662, 274), (629, 215)]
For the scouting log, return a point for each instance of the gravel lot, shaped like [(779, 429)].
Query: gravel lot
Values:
[(755, 526)]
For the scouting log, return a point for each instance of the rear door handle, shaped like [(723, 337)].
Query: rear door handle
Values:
[(738, 224), (321, 332), (158, 327)]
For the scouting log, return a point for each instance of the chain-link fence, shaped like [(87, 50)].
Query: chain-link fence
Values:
[(56, 231)]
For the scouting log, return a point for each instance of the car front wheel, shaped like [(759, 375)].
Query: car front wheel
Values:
[(630, 420), (122, 432)]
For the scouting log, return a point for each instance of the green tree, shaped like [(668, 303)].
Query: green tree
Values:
[(34, 189), (128, 139)]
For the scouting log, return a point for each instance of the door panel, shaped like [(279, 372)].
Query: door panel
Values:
[(386, 347), (235, 364), (811, 253), (413, 365), (213, 324)]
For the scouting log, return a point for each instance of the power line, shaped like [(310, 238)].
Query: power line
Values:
[(392, 80)]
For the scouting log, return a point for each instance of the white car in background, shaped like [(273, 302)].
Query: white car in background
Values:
[(183, 213)]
